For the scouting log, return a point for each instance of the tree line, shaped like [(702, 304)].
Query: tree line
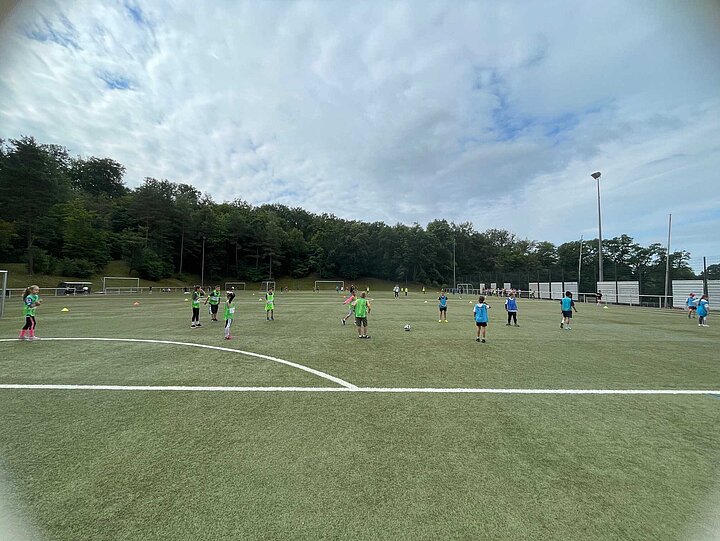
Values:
[(71, 215)]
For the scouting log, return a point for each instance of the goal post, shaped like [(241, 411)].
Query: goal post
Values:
[(267, 285), (465, 288), (234, 286), (329, 285), (4, 291), (120, 284)]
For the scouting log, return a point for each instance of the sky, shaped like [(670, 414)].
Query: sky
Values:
[(490, 112)]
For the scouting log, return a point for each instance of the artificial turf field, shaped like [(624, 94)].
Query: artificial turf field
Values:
[(339, 458)]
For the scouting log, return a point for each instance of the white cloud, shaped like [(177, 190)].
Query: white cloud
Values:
[(493, 113)]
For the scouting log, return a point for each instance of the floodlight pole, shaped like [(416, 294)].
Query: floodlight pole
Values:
[(580, 261), (202, 271), (667, 262), (454, 281), (596, 176)]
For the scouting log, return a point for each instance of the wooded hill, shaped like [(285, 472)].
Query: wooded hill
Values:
[(70, 216)]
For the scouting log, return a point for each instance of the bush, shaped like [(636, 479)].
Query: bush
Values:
[(78, 268)]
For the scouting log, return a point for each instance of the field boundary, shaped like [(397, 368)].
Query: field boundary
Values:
[(388, 390)]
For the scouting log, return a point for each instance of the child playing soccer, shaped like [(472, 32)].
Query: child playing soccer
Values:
[(229, 314), (480, 311), (511, 309), (703, 307), (442, 307), (214, 300), (270, 305), (361, 306), (31, 300), (567, 305), (691, 304), (195, 321), (349, 301)]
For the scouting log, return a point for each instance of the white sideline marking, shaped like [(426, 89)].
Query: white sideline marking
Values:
[(218, 348), (70, 387)]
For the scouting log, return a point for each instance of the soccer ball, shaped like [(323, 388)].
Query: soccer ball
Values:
[(407, 327)]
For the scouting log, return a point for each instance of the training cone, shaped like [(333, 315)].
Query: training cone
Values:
[(605, 307), (64, 310), (136, 303), (425, 302), (185, 300)]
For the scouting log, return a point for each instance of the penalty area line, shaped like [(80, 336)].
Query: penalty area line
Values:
[(382, 390)]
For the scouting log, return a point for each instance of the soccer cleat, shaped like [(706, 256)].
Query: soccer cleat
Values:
[(517, 325), (445, 321), (477, 339), (699, 324), (439, 320), (507, 324), (342, 321), (198, 325), (483, 340), (561, 325), (34, 338), (193, 326), (569, 328)]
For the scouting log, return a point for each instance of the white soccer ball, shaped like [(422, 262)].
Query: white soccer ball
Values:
[(407, 327)]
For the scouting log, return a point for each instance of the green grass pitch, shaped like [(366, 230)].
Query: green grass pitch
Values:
[(353, 464)]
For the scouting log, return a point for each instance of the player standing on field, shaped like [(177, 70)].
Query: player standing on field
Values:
[(270, 305), (691, 304), (442, 307), (214, 300), (511, 309), (229, 314), (195, 303), (567, 305), (31, 300), (480, 312), (362, 310), (703, 307)]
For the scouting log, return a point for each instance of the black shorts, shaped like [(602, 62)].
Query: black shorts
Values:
[(361, 321), (691, 308), (481, 323), (443, 308), (214, 308), (567, 314)]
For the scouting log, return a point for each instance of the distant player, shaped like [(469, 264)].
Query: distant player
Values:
[(362, 309), (442, 307), (703, 306), (598, 297), (229, 314), (691, 304), (214, 300), (567, 305), (396, 291), (406, 291), (511, 309), (270, 305), (480, 312), (31, 300), (195, 303), (351, 310)]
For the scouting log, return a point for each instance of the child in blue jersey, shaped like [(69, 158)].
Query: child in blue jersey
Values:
[(511, 308), (480, 311), (703, 306), (567, 305), (442, 306), (691, 304)]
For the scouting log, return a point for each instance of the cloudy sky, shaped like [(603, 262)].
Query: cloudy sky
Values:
[(490, 112)]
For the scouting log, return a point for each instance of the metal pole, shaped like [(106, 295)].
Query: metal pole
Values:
[(705, 280), (202, 270), (667, 262), (4, 292), (580, 262), (600, 255), (454, 282)]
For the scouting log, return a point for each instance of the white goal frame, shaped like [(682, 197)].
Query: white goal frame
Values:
[(3, 290), (235, 285), (467, 288), (335, 283), (120, 289), (265, 285)]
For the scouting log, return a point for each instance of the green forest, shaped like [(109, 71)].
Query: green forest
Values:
[(72, 215)]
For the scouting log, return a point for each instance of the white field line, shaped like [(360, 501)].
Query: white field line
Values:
[(70, 387), (217, 348)]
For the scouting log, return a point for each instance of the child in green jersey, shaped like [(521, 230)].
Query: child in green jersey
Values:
[(270, 305), (195, 301), (362, 309), (214, 300), (31, 300), (229, 314)]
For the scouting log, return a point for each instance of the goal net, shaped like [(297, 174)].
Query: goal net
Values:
[(465, 288), (267, 285), (120, 284), (329, 285), (234, 286)]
